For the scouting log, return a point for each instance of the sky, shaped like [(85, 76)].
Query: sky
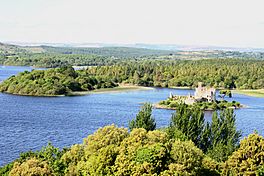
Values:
[(236, 23)]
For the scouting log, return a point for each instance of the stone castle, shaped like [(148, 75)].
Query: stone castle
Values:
[(202, 94)]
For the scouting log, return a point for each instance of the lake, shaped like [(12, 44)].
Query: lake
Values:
[(28, 123)]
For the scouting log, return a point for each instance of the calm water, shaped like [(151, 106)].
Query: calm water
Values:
[(28, 123)]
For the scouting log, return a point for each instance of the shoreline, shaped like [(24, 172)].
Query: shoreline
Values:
[(250, 92), (129, 87), (182, 88), (121, 88), (259, 93), (158, 106)]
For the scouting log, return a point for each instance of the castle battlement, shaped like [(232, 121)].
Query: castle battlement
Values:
[(205, 93)]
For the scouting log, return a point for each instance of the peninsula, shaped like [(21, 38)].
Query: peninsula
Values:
[(54, 82)]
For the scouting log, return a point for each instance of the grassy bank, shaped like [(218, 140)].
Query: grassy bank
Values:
[(183, 87), (250, 92), (120, 88)]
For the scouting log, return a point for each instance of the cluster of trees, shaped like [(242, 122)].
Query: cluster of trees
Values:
[(58, 81), (52, 60), (188, 146), (220, 73), (121, 52)]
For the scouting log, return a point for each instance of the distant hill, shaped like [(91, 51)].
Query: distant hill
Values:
[(101, 51), (51, 56), (170, 47), (108, 51)]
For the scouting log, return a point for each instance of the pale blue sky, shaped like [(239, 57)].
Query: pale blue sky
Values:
[(238, 23)]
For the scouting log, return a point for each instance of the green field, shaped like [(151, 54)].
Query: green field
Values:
[(254, 93)]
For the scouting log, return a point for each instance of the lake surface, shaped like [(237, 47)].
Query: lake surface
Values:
[(28, 123)]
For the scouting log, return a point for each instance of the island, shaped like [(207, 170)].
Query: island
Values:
[(54, 82), (203, 98)]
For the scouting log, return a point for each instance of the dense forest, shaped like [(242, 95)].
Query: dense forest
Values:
[(188, 146), (58, 81), (227, 73), (121, 52), (51, 60)]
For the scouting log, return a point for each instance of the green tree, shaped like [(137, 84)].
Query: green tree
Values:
[(224, 137), (189, 122), (31, 167), (186, 158), (248, 159), (144, 119), (218, 139), (224, 93)]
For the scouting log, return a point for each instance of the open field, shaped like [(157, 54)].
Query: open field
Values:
[(250, 92)]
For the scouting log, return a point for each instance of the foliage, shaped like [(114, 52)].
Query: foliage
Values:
[(224, 93), (31, 167), (47, 161), (211, 167), (97, 153), (220, 73), (51, 57), (233, 73), (260, 171), (189, 146), (189, 122), (59, 81), (218, 139), (4, 171), (217, 105), (186, 156), (144, 119), (224, 137), (115, 151), (47, 56), (134, 158), (248, 159)]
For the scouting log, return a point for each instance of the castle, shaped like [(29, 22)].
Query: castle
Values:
[(202, 94), (205, 93)]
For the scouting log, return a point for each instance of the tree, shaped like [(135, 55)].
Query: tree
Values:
[(224, 137), (188, 163), (218, 139), (144, 119), (31, 167), (248, 159), (142, 153), (225, 93), (189, 122)]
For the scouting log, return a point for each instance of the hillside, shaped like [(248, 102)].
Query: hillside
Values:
[(51, 57)]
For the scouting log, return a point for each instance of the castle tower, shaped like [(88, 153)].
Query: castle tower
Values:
[(199, 90), (171, 96)]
